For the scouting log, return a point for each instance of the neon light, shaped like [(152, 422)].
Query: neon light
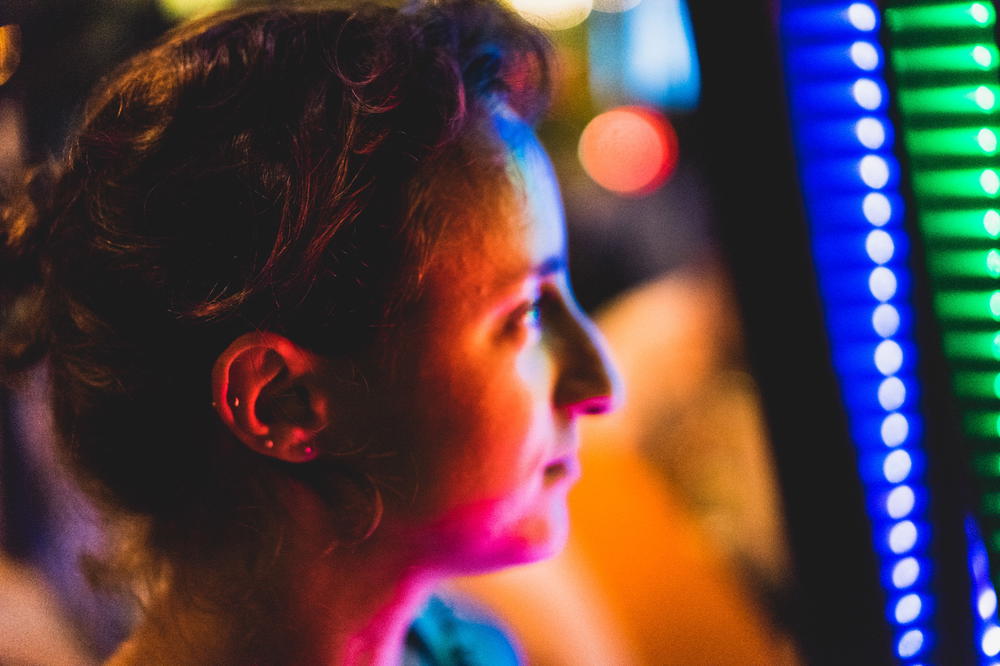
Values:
[(885, 320), (895, 429), (905, 573), (900, 502), (942, 16), (850, 179), (862, 16), (643, 56), (945, 58)]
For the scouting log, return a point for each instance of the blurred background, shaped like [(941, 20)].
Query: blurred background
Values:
[(783, 217)]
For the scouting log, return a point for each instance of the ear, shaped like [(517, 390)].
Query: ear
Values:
[(265, 389)]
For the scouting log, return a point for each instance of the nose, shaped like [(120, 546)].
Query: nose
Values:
[(587, 382)]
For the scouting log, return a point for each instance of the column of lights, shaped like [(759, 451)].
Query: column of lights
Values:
[(945, 58), (844, 141)]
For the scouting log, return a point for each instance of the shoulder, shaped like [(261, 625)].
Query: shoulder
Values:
[(453, 632)]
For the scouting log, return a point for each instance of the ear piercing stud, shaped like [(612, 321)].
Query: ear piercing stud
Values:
[(236, 401), (269, 444)]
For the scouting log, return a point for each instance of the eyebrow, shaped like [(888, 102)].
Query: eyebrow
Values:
[(549, 266)]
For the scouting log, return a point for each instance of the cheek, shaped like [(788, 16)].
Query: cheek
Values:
[(487, 437)]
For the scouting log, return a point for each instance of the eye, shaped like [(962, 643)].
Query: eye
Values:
[(532, 316), (527, 319)]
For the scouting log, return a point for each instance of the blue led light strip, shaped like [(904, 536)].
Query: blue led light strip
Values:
[(844, 139), (987, 630)]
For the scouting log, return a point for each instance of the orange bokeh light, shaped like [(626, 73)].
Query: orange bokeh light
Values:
[(630, 150)]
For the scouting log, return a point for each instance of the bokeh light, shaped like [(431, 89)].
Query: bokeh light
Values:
[(862, 16), (908, 608), (870, 132), (876, 208), (864, 55), (612, 6), (905, 573), (10, 51), (986, 604), (874, 171), (895, 469), (895, 429), (891, 393), (900, 502), (867, 94), (553, 14), (179, 10), (882, 283), (630, 150), (910, 643), (879, 246), (885, 320), (991, 222)]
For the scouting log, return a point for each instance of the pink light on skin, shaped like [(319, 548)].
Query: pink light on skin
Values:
[(506, 363)]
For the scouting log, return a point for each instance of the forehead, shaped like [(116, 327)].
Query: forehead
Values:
[(503, 229)]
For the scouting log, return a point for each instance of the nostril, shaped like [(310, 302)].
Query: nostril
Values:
[(595, 405)]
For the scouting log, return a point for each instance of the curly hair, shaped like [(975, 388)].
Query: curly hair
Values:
[(265, 169)]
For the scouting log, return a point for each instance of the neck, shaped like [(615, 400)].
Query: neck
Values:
[(354, 608), (347, 606)]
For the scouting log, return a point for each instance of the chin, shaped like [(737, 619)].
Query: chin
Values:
[(534, 538)]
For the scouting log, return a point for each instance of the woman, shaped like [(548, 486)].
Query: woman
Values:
[(300, 285)]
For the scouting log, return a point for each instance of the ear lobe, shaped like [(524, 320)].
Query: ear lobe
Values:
[(265, 390)]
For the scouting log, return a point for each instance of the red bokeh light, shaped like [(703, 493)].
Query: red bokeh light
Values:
[(631, 150)]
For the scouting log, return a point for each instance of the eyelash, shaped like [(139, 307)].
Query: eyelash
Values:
[(529, 315)]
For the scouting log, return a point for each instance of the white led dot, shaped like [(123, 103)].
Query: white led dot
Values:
[(991, 222), (900, 502), (902, 536), (910, 643), (870, 132), (895, 429), (862, 16), (896, 468), (989, 181), (980, 14), (991, 641), (993, 263), (882, 283), (888, 357), (905, 573), (864, 55), (987, 140), (987, 603), (867, 94), (879, 246), (891, 393), (876, 208), (982, 56), (985, 98), (885, 320), (908, 608), (874, 171)]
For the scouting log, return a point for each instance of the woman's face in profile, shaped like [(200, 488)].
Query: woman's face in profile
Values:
[(498, 368)]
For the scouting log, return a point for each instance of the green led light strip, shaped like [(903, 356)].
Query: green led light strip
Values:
[(945, 60), (941, 16)]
